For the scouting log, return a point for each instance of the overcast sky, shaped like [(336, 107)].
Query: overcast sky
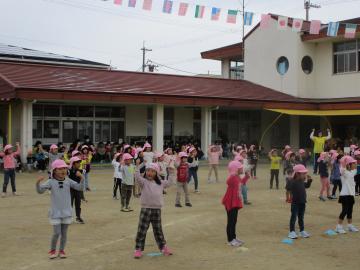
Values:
[(100, 31)]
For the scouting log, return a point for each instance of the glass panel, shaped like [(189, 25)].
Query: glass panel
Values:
[(350, 46), (168, 113), (335, 64), (197, 130), (86, 128), (339, 47), (341, 63), (149, 113), (149, 127), (117, 131), (197, 114), (51, 129), (102, 131), (102, 111), (69, 131), (307, 64), (352, 61), (69, 111), (282, 65), (118, 112), (168, 128), (51, 110), (86, 111), (38, 110), (37, 129)]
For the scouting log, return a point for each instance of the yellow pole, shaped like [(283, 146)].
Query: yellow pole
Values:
[(267, 129), (9, 125)]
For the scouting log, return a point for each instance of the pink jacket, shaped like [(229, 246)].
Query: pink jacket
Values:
[(214, 157), (9, 160)]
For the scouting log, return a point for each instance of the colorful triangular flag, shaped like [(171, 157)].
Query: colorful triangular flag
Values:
[(282, 23), (183, 7), (248, 18), (297, 25), (167, 7), (315, 26), (350, 30), (132, 3), (199, 11), (147, 5), (117, 2), (215, 13), (333, 28), (265, 21), (231, 17)]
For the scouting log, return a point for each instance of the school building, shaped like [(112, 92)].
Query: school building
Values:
[(290, 79)]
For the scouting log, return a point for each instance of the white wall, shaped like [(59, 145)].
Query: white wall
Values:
[(225, 68), (183, 122), (136, 120)]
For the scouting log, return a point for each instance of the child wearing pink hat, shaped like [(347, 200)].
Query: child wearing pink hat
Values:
[(128, 173), (335, 176), (253, 160), (323, 162), (275, 161), (182, 180), (76, 174), (193, 161), (117, 175), (214, 154), (170, 159), (8, 157), (53, 155), (86, 157), (151, 200), (290, 162), (60, 214), (297, 186), (148, 154), (347, 195), (357, 176)]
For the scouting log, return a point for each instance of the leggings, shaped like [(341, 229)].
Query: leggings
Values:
[(215, 168), (253, 169), (9, 174), (60, 231), (232, 215), (347, 203), (325, 186), (117, 186), (126, 191), (357, 183), (274, 174), (336, 183), (193, 173), (76, 198), (244, 192)]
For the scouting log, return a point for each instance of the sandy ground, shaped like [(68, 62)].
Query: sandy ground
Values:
[(196, 235)]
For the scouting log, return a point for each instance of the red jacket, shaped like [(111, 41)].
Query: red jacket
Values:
[(232, 197)]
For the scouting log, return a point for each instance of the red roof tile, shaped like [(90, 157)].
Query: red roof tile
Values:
[(233, 52)]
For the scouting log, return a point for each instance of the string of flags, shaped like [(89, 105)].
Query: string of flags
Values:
[(168, 7)]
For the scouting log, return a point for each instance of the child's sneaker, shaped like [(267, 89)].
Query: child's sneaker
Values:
[(166, 251), (178, 205), (234, 243), (137, 254), (62, 254), (197, 191), (247, 203), (321, 198), (3, 195), (129, 209), (240, 242), (15, 194), (340, 229), (352, 228), (80, 220), (292, 235), (188, 204), (52, 254), (330, 197), (333, 197), (304, 234)]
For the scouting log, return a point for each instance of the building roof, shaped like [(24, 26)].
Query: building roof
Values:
[(30, 81), (233, 52), (18, 54)]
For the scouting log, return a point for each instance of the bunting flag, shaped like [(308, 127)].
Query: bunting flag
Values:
[(215, 14), (333, 28), (199, 11), (282, 23), (350, 30), (265, 21), (297, 25), (117, 2), (167, 7), (248, 18), (183, 7), (147, 5), (132, 3), (232, 14), (315, 26)]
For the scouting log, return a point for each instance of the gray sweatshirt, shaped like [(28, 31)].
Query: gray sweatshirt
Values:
[(53, 157), (60, 196), (128, 173)]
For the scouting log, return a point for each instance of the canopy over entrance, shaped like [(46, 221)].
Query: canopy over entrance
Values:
[(317, 112)]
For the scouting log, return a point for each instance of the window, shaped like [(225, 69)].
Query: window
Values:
[(51, 110), (70, 111), (236, 70), (51, 129), (38, 110), (37, 129), (282, 65), (86, 111), (102, 131), (69, 131), (86, 129), (307, 64), (346, 56), (102, 112), (117, 131)]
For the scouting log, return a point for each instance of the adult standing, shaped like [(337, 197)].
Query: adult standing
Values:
[(319, 144)]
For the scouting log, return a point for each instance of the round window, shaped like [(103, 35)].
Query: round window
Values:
[(307, 64), (282, 65)]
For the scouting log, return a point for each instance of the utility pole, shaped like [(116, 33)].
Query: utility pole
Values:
[(144, 50), (243, 33), (307, 6)]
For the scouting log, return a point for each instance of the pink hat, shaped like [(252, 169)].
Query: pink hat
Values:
[(147, 145), (58, 164), (8, 147), (167, 150), (332, 152), (252, 147), (273, 150), (126, 146), (334, 156), (323, 155), (158, 154), (182, 154), (242, 151), (234, 166), (73, 160), (353, 147), (84, 147), (127, 156), (302, 151), (287, 147), (138, 151), (116, 155), (75, 152), (343, 161), (299, 169), (239, 147), (350, 160), (153, 166), (53, 147), (357, 153), (288, 154), (192, 149), (238, 158)]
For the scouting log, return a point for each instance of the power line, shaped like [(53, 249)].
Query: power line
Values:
[(175, 69)]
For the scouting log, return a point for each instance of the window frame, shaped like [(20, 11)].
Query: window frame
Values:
[(346, 54)]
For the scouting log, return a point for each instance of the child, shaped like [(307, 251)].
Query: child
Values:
[(8, 157), (40, 157), (347, 195), (117, 175), (53, 155), (170, 163), (86, 157), (284, 153), (60, 213), (301, 157), (274, 167), (159, 161), (76, 174), (214, 154), (151, 201), (128, 171), (148, 155), (323, 162), (290, 162), (246, 168), (139, 160), (297, 186), (335, 177), (232, 201), (357, 176), (193, 162), (253, 156), (182, 178)]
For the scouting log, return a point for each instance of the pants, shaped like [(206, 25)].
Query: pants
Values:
[(347, 203), (182, 186), (86, 181), (253, 170), (147, 216), (336, 183), (9, 174), (244, 190), (357, 183), (193, 173), (232, 215), (41, 165), (60, 231), (126, 191), (215, 168), (297, 211), (274, 174), (117, 185), (316, 163), (76, 197), (325, 186)]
